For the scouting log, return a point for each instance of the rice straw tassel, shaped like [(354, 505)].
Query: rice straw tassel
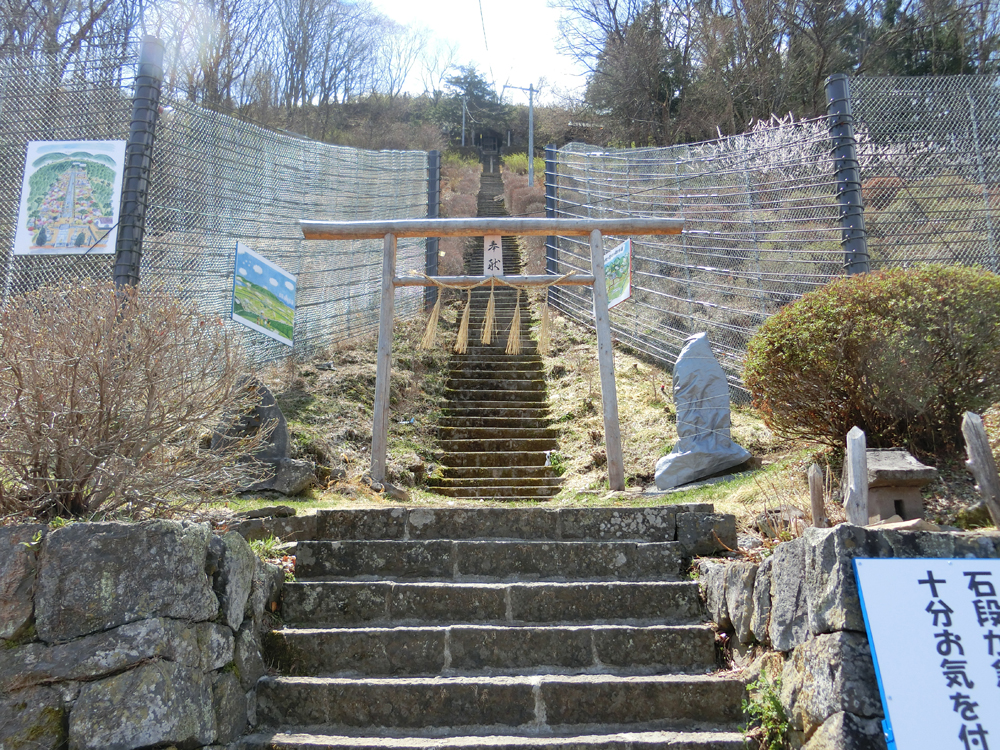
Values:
[(544, 334), (430, 334), (489, 322), (462, 341), (514, 339)]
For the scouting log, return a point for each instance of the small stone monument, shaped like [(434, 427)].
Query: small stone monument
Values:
[(701, 395), (895, 479)]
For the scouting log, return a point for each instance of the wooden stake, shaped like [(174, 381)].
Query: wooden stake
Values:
[(606, 364), (982, 464), (856, 497), (816, 492), (380, 422)]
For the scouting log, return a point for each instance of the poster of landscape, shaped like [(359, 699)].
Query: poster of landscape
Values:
[(263, 295), (618, 273), (70, 198)]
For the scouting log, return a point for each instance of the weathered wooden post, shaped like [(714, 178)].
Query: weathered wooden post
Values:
[(816, 492), (606, 365), (856, 495), (380, 421), (982, 464)]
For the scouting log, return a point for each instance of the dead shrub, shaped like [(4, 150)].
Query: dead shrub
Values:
[(106, 401)]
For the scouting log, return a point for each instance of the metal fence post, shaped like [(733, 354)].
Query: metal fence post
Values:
[(433, 212), (138, 159), (848, 174), (551, 251)]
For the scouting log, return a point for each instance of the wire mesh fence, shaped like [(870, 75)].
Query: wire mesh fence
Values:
[(929, 150), (761, 229), (217, 180)]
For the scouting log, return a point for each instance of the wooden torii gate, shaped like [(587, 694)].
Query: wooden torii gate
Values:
[(390, 231)]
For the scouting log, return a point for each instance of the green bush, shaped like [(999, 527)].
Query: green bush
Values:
[(518, 164), (902, 354)]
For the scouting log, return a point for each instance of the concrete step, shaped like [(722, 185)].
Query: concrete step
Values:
[(657, 524), (498, 445), (488, 649), (506, 458), (509, 398), (496, 409), (652, 701), (704, 739), (488, 482), (443, 560), (497, 433), (502, 423), (495, 383), (355, 603)]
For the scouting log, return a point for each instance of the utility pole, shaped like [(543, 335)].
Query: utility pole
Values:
[(531, 130), (463, 120)]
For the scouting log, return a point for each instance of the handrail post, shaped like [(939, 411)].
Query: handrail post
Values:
[(433, 212), (606, 365), (551, 258), (380, 421)]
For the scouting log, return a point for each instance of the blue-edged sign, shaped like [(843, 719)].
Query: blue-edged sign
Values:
[(934, 629), (263, 295)]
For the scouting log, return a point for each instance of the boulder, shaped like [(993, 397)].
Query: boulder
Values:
[(234, 577), (827, 675), (216, 645), (229, 704), (265, 415), (740, 579), (33, 718), (701, 395), (712, 578), (844, 731), (760, 618), (290, 477), (18, 565), (156, 704), (265, 590), (789, 625), (98, 576), (100, 654), (706, 533), (247, 656)]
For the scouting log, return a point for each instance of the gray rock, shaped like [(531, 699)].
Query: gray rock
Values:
[(97, 576), (706, 533), (740, 579), (252, 708), (229, 703), (975, 516), (292, 529), (760, 619), (265, 590), (701, 394), (216, 645), (291, 477), (158, 703), (844, 731), (827, 675), (713, 587), (100, 654), (266, 414), (34, 718), (18, 565), (247, 657), (233, 579), (271, 511), (789, 626), (772, 522)]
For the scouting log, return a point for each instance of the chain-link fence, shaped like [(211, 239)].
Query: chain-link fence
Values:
[(929, 150), (761, 229), (215, 181)]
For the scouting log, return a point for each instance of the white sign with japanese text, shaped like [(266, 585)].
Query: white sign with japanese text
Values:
[(934, 627), (492, 255)]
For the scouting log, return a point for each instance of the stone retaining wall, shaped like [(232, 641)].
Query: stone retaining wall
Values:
[(121, 636), (803, 601)]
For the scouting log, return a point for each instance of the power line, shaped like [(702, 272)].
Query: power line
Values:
[(486, 45)]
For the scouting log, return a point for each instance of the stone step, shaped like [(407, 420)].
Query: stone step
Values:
[(443, 483), (498, 472), (485, 358), (655, 524), (486, 649), (490, 422), (497, 364), (705, 739), (355, 603), (506, 458), (494, 383), (498, 445), (442, 560), (495, 410), (654, 701), (496, 433), (473, 490), (531, 398)]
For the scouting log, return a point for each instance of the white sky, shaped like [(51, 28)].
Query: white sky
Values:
[(521, 36)]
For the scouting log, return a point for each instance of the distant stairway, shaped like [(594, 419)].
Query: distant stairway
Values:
[(495, 432), (497, 629)]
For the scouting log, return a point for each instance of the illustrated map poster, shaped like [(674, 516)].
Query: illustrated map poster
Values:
[(263, 295), (934, 628), (70, 198), (618, 273)]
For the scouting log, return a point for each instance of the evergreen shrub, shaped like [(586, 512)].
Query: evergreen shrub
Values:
[(900, 353)]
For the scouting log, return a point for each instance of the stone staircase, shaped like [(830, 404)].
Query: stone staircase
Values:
[(496, 628), (495, 431)]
